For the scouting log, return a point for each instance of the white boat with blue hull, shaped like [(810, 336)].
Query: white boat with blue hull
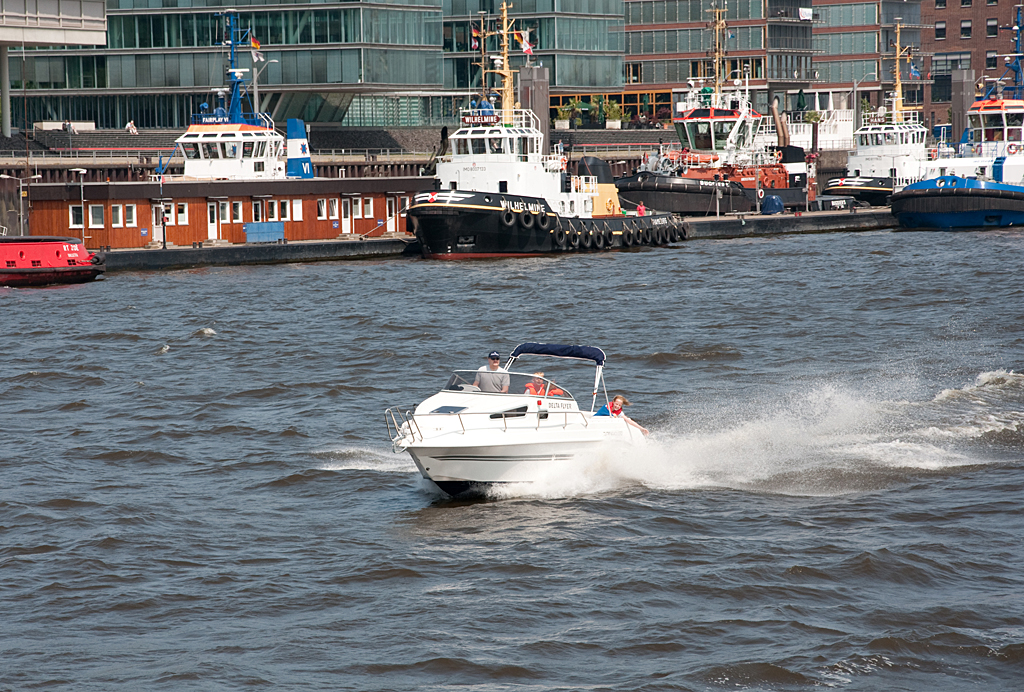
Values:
[(494, 427)]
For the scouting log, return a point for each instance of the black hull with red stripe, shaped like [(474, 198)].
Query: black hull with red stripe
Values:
[(478, 225)]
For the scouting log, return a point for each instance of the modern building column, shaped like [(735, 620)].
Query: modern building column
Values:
[(5, 92)]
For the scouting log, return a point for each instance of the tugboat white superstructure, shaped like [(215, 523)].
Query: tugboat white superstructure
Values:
[(500, 426), (497, 193)]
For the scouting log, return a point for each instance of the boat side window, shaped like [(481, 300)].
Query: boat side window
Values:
[(722, 130), (247, 148), (191, 150), (479, 145), (495, 145), (1013, 134), (231, 149), (461, 147), (700, 135), (210, 150)]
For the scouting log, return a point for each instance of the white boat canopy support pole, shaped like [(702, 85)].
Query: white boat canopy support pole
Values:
[(5, 92), (598, 384)]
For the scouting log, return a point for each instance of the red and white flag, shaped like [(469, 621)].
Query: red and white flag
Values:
[(522, 37)]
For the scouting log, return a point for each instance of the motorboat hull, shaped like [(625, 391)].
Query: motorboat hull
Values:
[(475, 225), (951, 203)]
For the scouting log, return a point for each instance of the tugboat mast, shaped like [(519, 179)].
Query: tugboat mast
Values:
[(718, 32)]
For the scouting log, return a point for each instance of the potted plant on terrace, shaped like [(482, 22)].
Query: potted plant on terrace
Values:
[(612, 115)]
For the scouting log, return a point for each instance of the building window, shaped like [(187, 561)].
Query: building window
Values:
[(405, 205), (321, 209), (940, 4), (272, 210), (368, 207), (285, 210), (991, 2), (75, 216), (129, 215), (116, 219), (257, 211), (357, 208), (182, 213), (95, 216), (236, 212), (965, 28), (965, 3), (296, 210), (224, 212), (991, 28), (991, 60), (332, 208), (940, 31)]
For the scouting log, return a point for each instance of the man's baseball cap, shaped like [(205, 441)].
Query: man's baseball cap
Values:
[(494, 354)]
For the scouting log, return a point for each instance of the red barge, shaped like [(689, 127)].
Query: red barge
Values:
[(43, 260)]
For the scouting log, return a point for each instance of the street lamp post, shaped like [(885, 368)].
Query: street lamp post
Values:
[(21, 205), (81, 189)]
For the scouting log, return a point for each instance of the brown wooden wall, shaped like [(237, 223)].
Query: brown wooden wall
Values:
[(52, 217)]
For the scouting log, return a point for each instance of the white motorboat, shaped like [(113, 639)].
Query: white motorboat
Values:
[(501, 426)]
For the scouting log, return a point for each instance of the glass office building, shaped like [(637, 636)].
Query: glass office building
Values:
[(359, 63)]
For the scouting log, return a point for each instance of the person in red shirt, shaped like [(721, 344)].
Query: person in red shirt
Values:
[(614, 409)]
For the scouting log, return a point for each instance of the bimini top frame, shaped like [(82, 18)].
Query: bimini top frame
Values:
[(566, 351)]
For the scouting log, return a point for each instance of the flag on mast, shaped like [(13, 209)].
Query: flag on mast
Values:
[(522, 37)]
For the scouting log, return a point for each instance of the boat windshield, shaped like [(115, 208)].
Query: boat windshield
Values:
[(496, 381)]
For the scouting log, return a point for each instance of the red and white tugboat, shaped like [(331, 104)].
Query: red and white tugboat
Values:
[(43, 260)]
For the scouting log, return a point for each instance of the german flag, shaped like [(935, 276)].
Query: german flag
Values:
[(254, 43)]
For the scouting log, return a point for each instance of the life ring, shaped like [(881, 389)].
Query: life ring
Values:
[(564, 162), (560, 238), (526, 220), (778, 156), (508, 218), (587, 238), (1012, 148), (608, 204), (760, 193), (977, 149), (544, 222)]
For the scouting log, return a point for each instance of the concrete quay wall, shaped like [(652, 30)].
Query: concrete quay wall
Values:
[(254, 253)]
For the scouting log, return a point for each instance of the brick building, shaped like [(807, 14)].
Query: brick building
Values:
[(963, 35)]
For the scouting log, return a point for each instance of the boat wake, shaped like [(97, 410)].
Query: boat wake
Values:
[(823, 442)]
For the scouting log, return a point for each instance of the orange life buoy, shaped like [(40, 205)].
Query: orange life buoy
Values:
[(778, 156), (608, 204), (564, 162), (1012, 148)]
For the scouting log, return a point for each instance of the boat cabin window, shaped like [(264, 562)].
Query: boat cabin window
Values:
[(210, 150), (722, 130), (461, 147), (479, 145), (699, 134), (191, 150), (993, 127), (496, 145), (518, 384), (247, 148)]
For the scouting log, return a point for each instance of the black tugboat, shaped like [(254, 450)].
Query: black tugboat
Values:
[(497, 194)]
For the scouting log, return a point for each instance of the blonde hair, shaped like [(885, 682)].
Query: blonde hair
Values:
[(625, 401)]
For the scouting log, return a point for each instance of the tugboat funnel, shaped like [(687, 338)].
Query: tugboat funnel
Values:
[(300, 165)]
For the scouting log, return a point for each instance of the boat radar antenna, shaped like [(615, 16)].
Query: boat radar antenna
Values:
[(718, 27), (1012, 62)]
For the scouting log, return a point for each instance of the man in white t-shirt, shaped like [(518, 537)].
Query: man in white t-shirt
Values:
[(492, 377)]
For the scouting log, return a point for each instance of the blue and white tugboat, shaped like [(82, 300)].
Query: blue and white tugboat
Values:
[(983, 187), (498, 194)]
